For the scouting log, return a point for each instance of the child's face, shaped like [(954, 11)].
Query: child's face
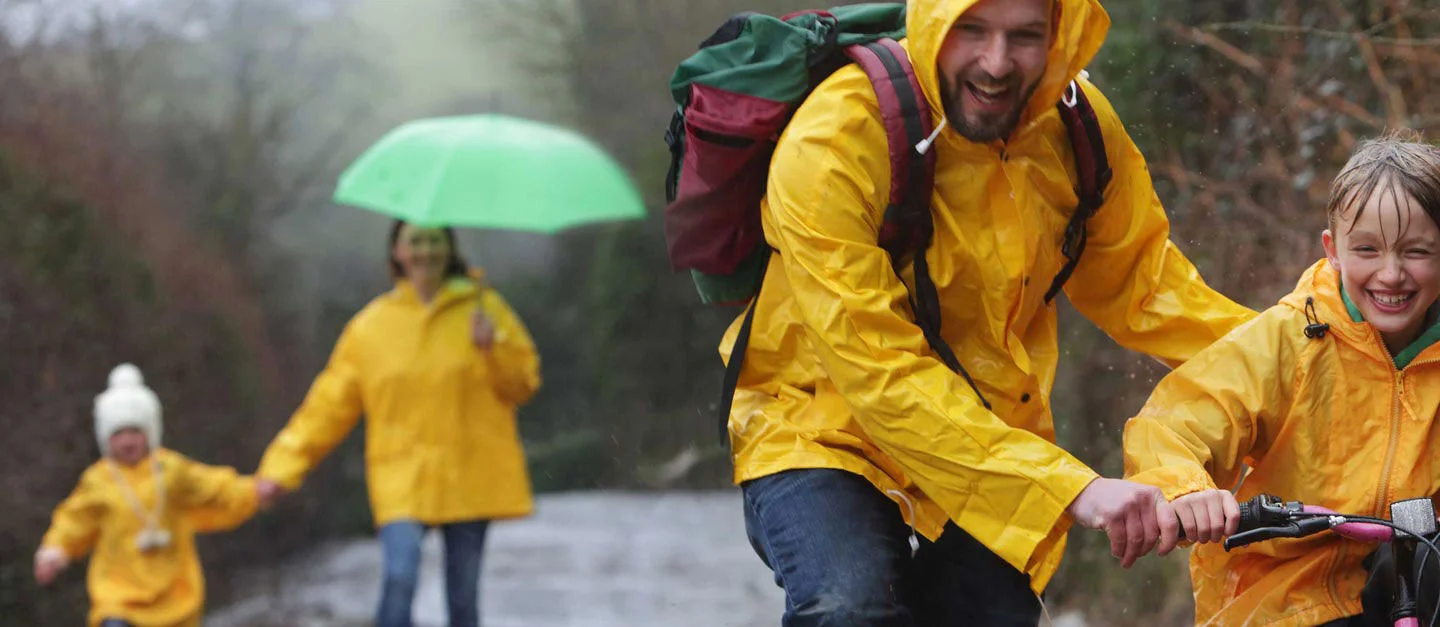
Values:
[(129, 446), (1389, 260)]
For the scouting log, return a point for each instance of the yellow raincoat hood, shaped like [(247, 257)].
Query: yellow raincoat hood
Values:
[(837, 374), (1081, 31), (1327, 420)]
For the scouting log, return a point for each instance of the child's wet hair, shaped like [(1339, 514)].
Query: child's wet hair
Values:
[(1398, 162)]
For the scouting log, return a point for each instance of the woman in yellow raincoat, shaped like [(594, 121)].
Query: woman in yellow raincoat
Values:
[(136, 513), (1330, 397), (438, 366)]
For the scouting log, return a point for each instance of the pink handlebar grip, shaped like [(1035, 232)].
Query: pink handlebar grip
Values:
[(1359, 531)]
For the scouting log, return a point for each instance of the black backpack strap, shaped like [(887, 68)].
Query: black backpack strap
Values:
[(907, 223), (1092, 175), (737, 356), (907, 227), (675, 139)]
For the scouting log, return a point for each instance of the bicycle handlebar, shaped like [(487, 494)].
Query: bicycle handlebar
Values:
[(1267, 517), (1412, 521)]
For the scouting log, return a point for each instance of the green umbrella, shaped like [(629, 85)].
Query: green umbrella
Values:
[(489, 171)]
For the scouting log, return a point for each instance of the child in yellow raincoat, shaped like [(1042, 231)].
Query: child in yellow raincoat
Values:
[(137, 511), (1330, 397)]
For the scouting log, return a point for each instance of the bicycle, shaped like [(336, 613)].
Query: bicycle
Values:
[(1412, 522)]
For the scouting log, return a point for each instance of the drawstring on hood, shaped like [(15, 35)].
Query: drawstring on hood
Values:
[(925, 144), (909, 517), (154, 536), (1314, 329)]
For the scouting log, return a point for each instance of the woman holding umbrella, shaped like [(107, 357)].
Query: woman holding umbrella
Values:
[(438, 366)]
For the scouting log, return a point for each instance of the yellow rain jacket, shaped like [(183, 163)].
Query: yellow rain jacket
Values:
[(837, 374), (441, 442), (161, 588), (1328, 421)]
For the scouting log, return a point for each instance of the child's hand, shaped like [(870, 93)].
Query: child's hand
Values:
[(268, 491), (49, 561), (1208, 516)]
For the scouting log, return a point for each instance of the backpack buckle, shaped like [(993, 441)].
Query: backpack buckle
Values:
[(675, 132)]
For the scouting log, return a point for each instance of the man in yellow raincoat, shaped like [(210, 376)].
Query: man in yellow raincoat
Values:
[(850, 436), (136, 513), (1329, 397)]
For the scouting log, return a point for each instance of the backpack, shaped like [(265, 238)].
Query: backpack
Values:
[(735, 96)]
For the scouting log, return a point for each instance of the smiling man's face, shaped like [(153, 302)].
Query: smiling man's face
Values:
[(990, 63)]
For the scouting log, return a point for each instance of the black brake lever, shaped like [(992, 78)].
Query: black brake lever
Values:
[(1259, 534), (1296, 528)]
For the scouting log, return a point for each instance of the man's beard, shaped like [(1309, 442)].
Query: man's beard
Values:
[(984, 128)]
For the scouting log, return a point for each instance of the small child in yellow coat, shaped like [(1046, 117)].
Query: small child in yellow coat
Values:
[(136, 511)]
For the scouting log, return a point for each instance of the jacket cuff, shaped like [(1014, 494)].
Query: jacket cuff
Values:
[(1176, 481), (289, 474)]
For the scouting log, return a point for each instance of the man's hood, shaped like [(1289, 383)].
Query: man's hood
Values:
[(1079, 32)]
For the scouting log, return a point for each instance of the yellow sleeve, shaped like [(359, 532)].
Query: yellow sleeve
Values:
[(822, 217), (1160, 306), (215, 498), (513, 360), (330, 410), (75, 525), (1207, 416)]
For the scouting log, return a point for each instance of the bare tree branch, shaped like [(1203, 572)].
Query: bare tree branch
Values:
[(1355, 36), (1257, 68)]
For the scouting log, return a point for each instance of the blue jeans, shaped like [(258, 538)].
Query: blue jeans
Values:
[(400, 546), (840, 550)]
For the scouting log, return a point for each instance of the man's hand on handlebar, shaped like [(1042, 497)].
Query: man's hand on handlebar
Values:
[(1135, 516)]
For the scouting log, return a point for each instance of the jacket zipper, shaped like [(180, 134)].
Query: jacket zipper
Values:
[(1332, 576), (1380, 496), (1398, 380), (1395, 420), (1384, 487)]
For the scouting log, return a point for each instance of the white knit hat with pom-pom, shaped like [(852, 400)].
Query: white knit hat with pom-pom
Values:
[(127, 403)]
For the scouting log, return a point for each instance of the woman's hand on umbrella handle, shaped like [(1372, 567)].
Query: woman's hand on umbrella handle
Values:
[(49, 561), (482, 330)]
